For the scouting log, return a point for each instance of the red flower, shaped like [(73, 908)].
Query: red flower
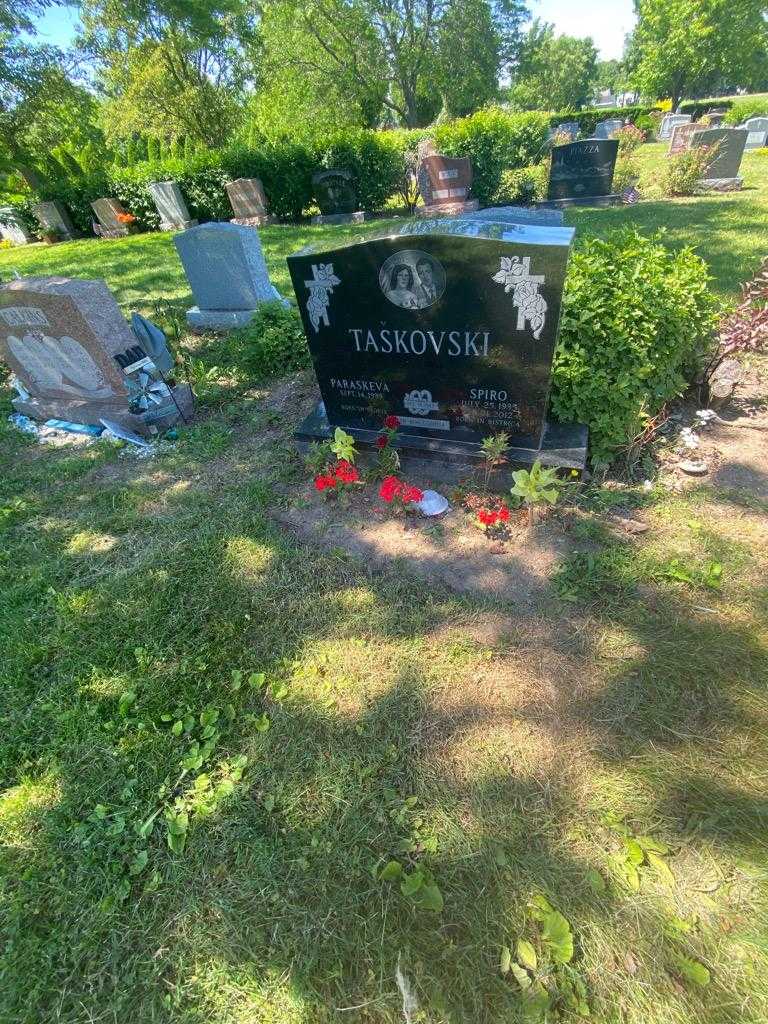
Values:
[(346, 472), (411, 494), (390, 487), (503, 514), (381, 441), (321, 482), (486, 517), (391, 422)]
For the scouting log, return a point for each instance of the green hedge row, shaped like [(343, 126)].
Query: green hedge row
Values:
[(496, 141), (588, 119), (699, 107)]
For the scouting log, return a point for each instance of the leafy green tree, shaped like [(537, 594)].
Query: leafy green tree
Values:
[(682, 47), (554, 72), (41, 109), (402, 56), (170, 67)]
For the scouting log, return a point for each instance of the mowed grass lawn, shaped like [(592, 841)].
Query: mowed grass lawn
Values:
[(504, 753)]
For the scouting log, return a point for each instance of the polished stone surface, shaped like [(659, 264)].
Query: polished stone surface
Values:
[(53, 215), (449, 324), (582, 171)]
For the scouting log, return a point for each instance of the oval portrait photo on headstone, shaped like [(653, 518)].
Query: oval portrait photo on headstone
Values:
[(412, 279)]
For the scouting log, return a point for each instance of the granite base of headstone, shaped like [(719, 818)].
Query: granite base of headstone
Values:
[(12, 228), (169, 202), (336, 196), (581, 174), (757, 132), (53, 217), (227, 273), (450, 325), (77, 359), (727, 147), (445, 184), (110, 213), (249, 203)]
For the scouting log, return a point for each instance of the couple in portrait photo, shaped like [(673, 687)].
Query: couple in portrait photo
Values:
[(412, 280)]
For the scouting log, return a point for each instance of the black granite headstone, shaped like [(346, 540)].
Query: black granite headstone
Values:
[(335, 192), (727, 147), (449, 324), (581, 172)]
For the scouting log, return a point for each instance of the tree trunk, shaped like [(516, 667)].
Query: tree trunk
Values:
[(31, 177)]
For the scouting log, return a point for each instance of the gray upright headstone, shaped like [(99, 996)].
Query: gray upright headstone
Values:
[(12, 227), (167, 197), (669, 122), (54, 217), (77, 359), (569, 128), (727, 149), (227, 273), (607, 129), (581, 173), (757, 127)]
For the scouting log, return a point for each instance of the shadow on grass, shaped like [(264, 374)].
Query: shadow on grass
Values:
[(514, 755)]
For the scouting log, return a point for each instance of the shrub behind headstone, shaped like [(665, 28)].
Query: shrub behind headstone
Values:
[(637, 323)]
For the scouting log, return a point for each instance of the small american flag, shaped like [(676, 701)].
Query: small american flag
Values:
[(630, 196)]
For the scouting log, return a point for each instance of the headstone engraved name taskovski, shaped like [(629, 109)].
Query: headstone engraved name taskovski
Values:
[(449, 324), (581, 174), (77, 359)]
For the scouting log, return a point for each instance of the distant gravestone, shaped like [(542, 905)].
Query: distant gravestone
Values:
[(727, 145), (167, 197), (445, 184), (109, 212), (12, 227), (669, 122), (449, 324), (54, 217), (336, 196), (757, 129), (681, 137), (227, 273), (519, 215), (249, 203), (78, 360), (569, 128), (715, 118), (581, 173), (607, 129)]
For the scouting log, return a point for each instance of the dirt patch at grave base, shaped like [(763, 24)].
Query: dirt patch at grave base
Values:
[(446, 551)]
